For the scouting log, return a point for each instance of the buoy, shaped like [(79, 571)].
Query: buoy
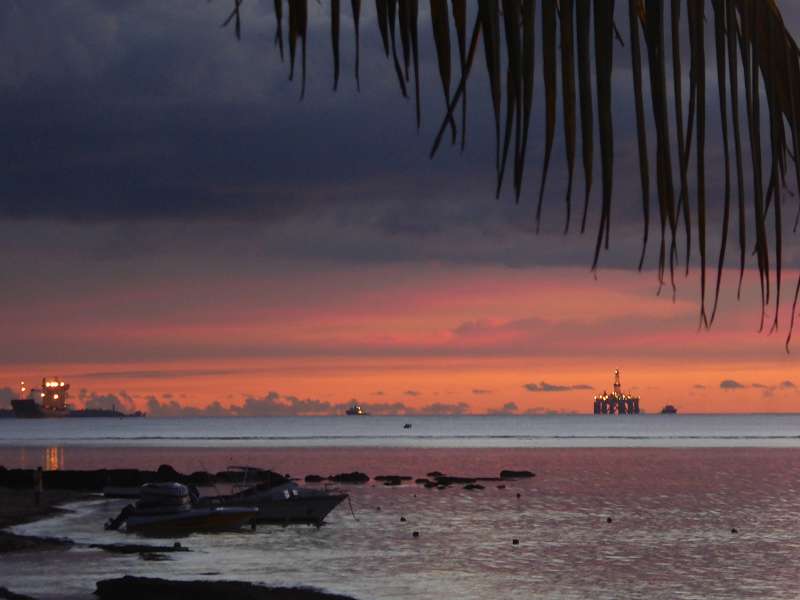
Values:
[(515, 541), (609, 520), (415, 534), (519, 495)]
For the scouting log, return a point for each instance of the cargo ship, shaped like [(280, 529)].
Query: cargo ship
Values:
[(616, 403), (356, 411), (53, 396)]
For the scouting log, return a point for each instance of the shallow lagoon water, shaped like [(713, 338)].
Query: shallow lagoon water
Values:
[(672, 511), (674, 487)]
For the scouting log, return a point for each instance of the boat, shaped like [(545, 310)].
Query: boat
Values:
[(54, 394), (669, 410), (284, 503), (356, 410), (616, 403), (169, 507)]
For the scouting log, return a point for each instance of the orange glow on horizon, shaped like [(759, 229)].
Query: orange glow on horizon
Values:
[(434, 335)]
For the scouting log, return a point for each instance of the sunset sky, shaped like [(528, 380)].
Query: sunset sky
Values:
[(179, 234)]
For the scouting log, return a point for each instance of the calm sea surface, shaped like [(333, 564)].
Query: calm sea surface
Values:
[(673, 486)]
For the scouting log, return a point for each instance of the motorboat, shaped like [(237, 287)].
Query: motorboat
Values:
[(286, 502), (170, 507)]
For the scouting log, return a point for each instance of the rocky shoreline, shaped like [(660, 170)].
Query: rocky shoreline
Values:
[(99, 479), (136, 588), (17, 506)]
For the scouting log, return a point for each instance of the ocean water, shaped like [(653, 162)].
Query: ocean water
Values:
[(563, 431), (674, 488)]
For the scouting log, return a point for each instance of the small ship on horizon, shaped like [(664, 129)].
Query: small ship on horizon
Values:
[(356, 411), (53, 395)]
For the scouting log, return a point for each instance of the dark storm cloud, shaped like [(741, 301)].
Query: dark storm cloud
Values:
[(730, 384), (767, 389), (509, 408), (549, 387), (121, 401), (147, 117), (148, 111), (274, 404)]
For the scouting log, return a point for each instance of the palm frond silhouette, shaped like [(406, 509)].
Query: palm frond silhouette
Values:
[(752, 48)]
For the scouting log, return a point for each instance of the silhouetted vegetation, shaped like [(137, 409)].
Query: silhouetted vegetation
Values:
[(756, 61)]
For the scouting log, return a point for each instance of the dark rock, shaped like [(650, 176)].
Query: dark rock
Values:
[(430, 484), (473, 486), (139, 548), (609, 520), (447, 480), (501, 487), (435, 474), (734, 530), (415, 534), (515, 541), (422, 481), (10, 542), (201, 478), (393, 477), (9, 595), (154, 556), (166, 473), (354, 477), (314, 478), (509, 474), (392, 482), (96, 480), (519, 495), (402, 519), (137, 588)]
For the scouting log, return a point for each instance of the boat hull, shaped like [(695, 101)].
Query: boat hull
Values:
[(29, 409), (311, 510), (283, 504), (194, 520)]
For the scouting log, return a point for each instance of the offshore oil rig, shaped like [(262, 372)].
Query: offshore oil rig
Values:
[(616, 403)]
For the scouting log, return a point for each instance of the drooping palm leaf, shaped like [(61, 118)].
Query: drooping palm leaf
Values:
[(755, 56)]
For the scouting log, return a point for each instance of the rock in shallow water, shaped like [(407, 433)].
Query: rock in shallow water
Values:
[(509, 474), (138, 588), (354, 477)]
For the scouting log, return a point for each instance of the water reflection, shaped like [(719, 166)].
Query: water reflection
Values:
[(53, 459)]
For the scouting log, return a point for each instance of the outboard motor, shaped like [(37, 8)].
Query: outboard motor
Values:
[(116, 522)]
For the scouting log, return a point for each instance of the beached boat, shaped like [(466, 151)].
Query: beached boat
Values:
[(284, 503), (169, 507)]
